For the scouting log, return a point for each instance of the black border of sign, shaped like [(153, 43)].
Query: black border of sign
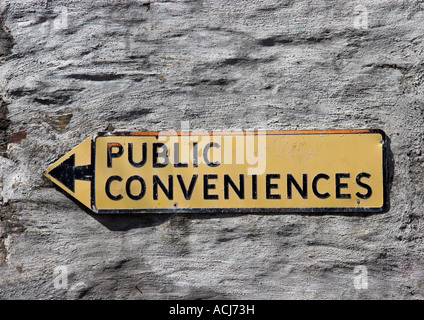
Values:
[(384, 208)]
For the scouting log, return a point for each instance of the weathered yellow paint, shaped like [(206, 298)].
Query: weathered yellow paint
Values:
[(340, 170), (295, 153)]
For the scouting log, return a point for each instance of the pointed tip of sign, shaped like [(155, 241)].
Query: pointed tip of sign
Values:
[(64, 173), (73, 172)]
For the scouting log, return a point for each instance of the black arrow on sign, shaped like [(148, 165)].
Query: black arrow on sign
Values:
[(67, 172)]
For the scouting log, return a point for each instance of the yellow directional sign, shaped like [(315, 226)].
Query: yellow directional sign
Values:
[(238, 171)]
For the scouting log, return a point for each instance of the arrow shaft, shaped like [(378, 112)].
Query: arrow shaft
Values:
[(83, 172)]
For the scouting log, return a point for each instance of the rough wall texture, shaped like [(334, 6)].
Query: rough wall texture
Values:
[(69, 69)]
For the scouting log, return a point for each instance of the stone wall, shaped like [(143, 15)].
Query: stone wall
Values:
[(69, 69)]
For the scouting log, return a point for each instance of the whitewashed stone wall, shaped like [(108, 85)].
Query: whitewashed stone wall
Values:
[(69, 69)]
